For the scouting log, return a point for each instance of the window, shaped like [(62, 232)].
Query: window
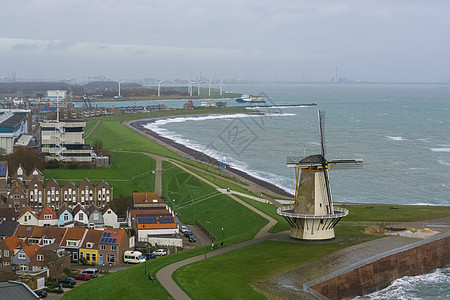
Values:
[(80, 217), (102, 247), (21, 256), (94, 257), (89, 245), (109, 212), (110, 258), (66, 217), (75, 256), (40, 257), (71, 243), (6, 253), (0, 254), (95, 216), (113, 247), (48, 217), (88, 256)]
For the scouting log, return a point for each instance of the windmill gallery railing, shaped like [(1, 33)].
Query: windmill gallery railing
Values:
[(288, 211)]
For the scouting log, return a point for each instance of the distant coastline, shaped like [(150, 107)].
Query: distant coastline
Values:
[(197, 155)]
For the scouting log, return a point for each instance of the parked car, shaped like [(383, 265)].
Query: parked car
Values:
[(187, 233), (192, 238), (82, 276), (150, 256), (160, 252), (183, 228), (68, 280), (91, 271), (41, 293)]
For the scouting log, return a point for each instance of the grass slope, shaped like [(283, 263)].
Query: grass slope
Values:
[(197, 201)]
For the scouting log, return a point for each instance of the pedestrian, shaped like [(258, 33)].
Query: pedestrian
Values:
[(150, 277)]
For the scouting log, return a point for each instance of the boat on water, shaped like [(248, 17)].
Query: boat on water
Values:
[(245, 98)]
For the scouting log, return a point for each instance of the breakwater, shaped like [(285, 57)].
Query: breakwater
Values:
[(378, 272)]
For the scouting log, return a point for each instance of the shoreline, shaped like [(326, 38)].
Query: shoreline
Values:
[(199, 156)]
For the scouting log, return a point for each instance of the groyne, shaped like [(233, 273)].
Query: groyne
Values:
[(378, 272)]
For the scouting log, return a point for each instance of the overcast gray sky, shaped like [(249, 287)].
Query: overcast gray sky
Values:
[(405, 40)]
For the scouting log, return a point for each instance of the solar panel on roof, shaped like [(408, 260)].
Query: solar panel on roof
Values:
[(2, 169), (147, 220)]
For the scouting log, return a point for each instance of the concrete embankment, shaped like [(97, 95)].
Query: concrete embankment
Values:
[(378, 272)]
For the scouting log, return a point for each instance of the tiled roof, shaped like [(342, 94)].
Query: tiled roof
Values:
[(47, 210), (92, 236), (12, 242), (112, 234), (31, 250), (147, 198), (74, 234)]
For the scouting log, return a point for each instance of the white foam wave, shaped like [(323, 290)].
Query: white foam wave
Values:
[(396, 138), (425, 286), (443, 162), (440, 149)]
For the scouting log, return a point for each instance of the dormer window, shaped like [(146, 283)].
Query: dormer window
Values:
[(89, 245)]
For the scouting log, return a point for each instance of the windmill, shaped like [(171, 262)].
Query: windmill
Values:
[(313, 216), (159, 87), (119, 82)]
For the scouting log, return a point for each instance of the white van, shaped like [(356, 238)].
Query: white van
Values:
[(91, 271), (133, 257)]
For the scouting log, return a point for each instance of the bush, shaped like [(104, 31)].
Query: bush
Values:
[(83, 260)]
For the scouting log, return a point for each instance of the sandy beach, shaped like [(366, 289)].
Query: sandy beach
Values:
[(258, 184)]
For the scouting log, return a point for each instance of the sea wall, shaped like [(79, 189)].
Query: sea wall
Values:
[(379, 273)]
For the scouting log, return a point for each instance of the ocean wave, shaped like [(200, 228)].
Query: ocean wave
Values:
[(434, 285), (396, 138), (440, 149)]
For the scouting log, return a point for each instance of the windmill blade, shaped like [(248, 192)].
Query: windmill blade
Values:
[(322, 132), (347, 163), (327, 184)]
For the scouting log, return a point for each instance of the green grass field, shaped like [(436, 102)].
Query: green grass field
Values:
[(197, 201), (129, 172)]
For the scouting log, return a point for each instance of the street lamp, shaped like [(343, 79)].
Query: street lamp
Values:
[(221, 244), (211, 235)]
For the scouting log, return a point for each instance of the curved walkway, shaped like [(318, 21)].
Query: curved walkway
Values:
[(164, 275)]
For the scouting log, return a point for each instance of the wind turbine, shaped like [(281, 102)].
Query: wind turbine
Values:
[(190, 86), (159, 87), (198, 87), (209, 88), (221, 86), (119, 82)]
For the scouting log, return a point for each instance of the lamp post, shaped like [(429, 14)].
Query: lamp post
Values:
[(211, 235), (221, 244)]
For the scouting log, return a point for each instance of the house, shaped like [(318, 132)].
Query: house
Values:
[(9, 214), (17, 196), (52, 193), (47, 217), (53, 235), (36, 191), (89, 247), (69, 194), (7, 249), (64, 215), (153, 222), (27, 217), (95, 217), (54, 258), (80, 215), (23, 257), (113, 244), (24, 232), (110, 217), (87, 192), (72, 241), (104, 193), (147, 200)]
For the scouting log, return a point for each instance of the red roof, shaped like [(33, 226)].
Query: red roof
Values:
[(116, 234), (31, 250), (12, 242), (47, 210)]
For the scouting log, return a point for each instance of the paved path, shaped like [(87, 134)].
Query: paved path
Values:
[(164, 275)]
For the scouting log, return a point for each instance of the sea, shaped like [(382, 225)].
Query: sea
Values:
[(401, 131)]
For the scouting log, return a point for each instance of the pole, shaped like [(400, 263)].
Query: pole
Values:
[(221, 244)]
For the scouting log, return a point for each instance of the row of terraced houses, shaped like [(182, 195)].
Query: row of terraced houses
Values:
[(32, 191)]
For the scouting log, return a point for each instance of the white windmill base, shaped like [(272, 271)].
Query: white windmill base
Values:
[(311, 227)]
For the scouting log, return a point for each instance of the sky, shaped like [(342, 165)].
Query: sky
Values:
[(377, 41)]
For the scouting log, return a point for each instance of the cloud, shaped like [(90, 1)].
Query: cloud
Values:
[(25, 47)]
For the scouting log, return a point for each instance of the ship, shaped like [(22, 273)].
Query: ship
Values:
[(245, 98)]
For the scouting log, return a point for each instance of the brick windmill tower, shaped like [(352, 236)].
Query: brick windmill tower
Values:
[(313, 216)]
